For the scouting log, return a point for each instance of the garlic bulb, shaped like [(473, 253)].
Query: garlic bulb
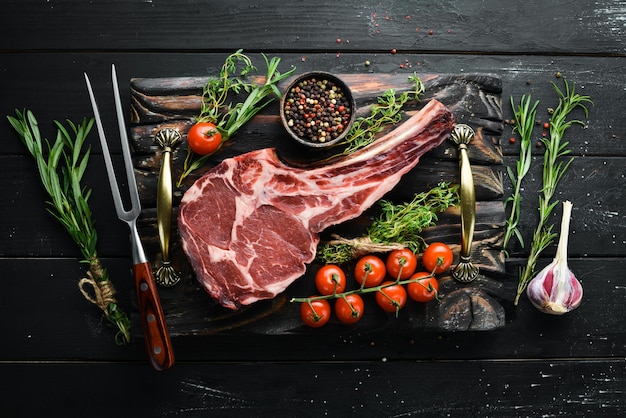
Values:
[(555, 290)]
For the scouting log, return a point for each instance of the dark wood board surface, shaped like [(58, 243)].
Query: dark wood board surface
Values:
[(55, 343), (474, 99)]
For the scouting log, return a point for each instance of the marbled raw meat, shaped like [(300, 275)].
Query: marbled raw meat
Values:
[(251, 224)]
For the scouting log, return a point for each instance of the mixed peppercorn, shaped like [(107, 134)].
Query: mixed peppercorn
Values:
[(317, 110)]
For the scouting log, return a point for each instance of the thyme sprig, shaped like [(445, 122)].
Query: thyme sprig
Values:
[(61, 173), (216, 93), (525, 115), (554, 167), (382, 114), (398, 226)]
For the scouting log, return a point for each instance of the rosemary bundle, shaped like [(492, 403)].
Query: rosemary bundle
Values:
[(398, 226), (525, 115), (61, 174), (385, 112), (554, 167), (229, 118)]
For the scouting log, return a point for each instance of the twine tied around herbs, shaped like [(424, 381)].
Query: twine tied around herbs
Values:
[(102, 290)]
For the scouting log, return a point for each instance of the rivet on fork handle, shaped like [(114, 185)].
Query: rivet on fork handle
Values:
[(465, 271)]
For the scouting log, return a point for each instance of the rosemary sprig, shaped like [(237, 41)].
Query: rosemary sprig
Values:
[(525, 115), (554, 167), (61, 174), (230, 118), (399, 225), (385, 112)]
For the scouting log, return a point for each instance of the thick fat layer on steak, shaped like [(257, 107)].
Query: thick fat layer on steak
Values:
[(250, 225)]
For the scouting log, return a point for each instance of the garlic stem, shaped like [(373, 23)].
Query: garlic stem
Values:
[(561, 250)]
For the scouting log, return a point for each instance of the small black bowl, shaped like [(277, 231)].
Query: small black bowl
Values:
[(317, 109)]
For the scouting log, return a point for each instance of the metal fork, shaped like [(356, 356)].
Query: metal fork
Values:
[(158, 344)]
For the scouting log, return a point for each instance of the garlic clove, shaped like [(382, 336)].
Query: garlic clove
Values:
[(555, 290)]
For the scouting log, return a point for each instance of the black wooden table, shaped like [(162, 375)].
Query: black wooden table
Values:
[(57, 357)]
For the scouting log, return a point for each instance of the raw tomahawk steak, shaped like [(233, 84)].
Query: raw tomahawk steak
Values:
[(251, 223)]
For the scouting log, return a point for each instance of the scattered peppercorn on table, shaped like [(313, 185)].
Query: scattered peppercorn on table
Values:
[(482, 355)]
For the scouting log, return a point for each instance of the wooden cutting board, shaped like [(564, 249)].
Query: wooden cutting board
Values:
[(474, 99)]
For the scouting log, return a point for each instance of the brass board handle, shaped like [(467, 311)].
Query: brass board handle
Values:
[(167, 138), (465, 271)]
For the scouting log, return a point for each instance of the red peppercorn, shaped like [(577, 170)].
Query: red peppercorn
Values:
[(430, 32), (546, 125), (393, 51), (512, 140), (338, 40)]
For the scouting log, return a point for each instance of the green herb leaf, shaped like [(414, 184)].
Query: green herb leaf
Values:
[(227, 117)]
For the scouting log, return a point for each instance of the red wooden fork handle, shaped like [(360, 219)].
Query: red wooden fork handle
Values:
[(158, 344)]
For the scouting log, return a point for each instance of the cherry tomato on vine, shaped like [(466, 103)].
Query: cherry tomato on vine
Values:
[(316, 314), (401, 264), (437, 257), (350, 309), (370, 270), (330, 279), (424, 289), (204, 138), (391, 298)]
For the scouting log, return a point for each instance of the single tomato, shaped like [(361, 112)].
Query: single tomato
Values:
[(349, 310), (330, 279), (401, 264), (316, 313), (204, 138), (370, 271), (391, 298), (437, 257), (424, 288)]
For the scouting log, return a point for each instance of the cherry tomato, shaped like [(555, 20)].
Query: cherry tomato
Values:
[(401, 264), (350, 309), (330, 279), (204, 138), (316, 314), (393, 299), (437, 257), (370, 270), (424, 289)]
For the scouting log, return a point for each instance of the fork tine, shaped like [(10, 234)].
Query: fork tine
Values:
[(115, 191), (128, 164)]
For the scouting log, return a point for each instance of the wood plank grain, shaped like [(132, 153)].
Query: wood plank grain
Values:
[(597, 148), (47, 318), (599, 77), (575, 27), (373, 388)]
